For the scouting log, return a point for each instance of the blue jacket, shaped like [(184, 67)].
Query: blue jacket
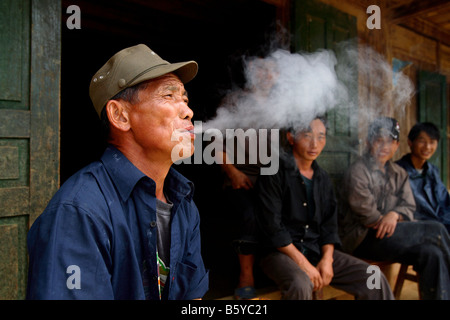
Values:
[(431, 196), (97, 237)]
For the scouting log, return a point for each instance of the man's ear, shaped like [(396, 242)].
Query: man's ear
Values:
[(118, 116), (410, 144), (395, 145), (290, 138)]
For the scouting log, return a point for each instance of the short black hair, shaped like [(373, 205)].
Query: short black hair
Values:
[(294, 129), (428, 127)]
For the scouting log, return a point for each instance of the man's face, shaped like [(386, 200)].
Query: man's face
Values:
[(161, 120), (423, 147), (383, 148), (308, 145)]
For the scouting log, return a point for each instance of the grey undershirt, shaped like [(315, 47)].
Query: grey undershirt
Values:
[(163, 215)]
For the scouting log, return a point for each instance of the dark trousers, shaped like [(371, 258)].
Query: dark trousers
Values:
[(241, 209), (350, 274), (423, 244)]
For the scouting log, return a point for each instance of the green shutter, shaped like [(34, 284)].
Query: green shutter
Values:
[(319, 26), (433, 108)]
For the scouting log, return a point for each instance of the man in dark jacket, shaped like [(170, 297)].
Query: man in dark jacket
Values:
[(298, 216), (126, 226), (431, 195)]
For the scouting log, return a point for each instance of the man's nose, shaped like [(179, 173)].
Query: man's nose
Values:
[(386, 145), (186, 113)]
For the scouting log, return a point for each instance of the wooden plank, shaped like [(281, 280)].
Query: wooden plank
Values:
[(14, 58), (413, 45), (9, 162), (444, 57), (13, 257), (417, 8), (428, 29), (14, 163), (45, 103), (15, 201), (14, 124), (9, 259), (11, 44)]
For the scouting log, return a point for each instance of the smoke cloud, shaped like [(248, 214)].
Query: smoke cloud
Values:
[(283, 89), (288, 89)]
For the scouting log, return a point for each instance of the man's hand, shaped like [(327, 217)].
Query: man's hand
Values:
[(387, 224), (313, 274), (311, 271), (240, 180), (325, 265)]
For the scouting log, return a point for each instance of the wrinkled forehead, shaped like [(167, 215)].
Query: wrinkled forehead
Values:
[(168, 82)]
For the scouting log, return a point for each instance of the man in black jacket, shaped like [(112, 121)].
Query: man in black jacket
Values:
[(298, 215)]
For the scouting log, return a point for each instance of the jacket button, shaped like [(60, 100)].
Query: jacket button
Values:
[(305, 204), (153, 224)]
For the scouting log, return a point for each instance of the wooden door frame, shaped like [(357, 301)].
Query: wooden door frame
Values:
[(44, 103)]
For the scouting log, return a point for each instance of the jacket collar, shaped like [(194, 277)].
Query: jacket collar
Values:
[(409, 167), (125, 176), (293, 169), (372, 165)]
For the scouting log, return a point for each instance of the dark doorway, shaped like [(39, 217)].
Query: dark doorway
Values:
[(217, 34)]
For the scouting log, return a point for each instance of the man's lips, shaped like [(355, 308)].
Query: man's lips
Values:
[(191, 131), (188, 131)]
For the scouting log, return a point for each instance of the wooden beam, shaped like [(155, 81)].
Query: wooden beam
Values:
[(428, 30), (416, 9)]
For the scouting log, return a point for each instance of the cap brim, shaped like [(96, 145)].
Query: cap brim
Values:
[(186, 71)]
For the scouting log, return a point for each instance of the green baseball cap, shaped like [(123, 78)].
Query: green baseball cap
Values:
[(131, 66)]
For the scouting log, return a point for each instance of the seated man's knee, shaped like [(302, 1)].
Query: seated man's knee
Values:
[(299, 287)]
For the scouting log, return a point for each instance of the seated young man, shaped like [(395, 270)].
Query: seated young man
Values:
[(298, 216), (432, 197), (376, 213)]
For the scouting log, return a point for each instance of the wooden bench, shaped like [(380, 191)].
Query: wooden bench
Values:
[(402, 276), (330, 293), (396, 281)]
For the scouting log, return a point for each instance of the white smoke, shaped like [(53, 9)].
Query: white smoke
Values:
[(378, 90), (290, 89), (283, 89)]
